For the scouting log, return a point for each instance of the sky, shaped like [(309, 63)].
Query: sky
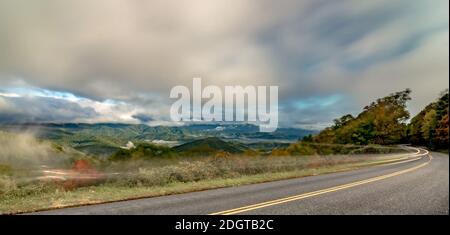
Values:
[(117, 60)]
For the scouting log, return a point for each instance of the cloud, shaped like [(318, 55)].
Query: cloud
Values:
[(39, 109), (27, 104), (132, 44), (143, 117), (121, 58)]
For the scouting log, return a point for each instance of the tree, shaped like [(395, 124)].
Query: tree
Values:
[(442, 134), (339, 122), (307, 138), (381, 122), (430, 126)]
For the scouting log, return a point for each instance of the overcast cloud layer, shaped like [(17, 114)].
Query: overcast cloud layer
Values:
[(116, 60)]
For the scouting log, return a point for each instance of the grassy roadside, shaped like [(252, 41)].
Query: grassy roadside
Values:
[(58, 198)]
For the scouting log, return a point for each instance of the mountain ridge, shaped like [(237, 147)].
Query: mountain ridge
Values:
[(106, 138)]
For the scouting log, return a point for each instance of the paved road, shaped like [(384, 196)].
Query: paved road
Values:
[(418, 186)]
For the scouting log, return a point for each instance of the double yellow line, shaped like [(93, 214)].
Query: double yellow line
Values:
[(319, 192)]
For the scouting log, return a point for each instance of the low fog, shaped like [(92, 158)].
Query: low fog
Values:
[(23, 150)]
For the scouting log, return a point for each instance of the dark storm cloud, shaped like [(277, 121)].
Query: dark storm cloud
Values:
[(42, 109), (143, 117)]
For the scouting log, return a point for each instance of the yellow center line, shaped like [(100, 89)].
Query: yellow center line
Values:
[(323, 191)]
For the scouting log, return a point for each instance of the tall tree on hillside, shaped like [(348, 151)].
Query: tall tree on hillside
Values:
[(389, 115)]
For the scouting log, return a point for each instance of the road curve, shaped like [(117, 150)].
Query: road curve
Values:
[(420, 186)]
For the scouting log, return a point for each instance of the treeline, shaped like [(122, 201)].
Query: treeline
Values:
[(384, 122), (430, 126)]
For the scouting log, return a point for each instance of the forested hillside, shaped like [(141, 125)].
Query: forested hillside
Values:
[(382, 122), (430, 126)]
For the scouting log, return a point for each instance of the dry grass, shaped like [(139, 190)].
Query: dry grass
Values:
[(169, 176)]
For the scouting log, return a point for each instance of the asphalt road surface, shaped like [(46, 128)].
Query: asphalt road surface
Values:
[(417, 186)]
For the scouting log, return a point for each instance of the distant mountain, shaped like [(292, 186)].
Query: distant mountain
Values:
[(142, 151), (210, 145), (107, 138)]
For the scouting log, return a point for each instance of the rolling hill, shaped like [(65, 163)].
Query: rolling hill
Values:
[(103, 139), (210, 145)]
